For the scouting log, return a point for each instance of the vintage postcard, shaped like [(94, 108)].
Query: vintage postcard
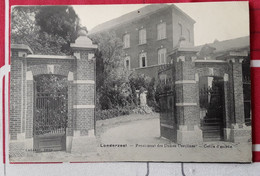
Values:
[(143, 82)]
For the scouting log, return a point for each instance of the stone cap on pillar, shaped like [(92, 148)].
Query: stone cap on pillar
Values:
[(183, 47), (21, 47), (83, 42)]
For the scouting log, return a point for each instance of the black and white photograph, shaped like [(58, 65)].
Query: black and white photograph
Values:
[(132, 82)]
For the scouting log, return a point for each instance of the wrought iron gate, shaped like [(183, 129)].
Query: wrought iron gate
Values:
[(247, 99), (166, 99), (50, 121), (212, 101), (168, 120)]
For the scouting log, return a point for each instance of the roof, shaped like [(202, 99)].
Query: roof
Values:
[(134, 15), (217, 47), (22, 47), (226, 45)]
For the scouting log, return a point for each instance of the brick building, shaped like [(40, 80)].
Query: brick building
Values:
[(47, 119), (158, 41), (149, 34)]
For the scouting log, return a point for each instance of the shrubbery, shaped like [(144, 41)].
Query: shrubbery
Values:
[(116, 86), (123, 99)]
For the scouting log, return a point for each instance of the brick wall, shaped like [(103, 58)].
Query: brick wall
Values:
[(29, 109), (61, 67), (84, 93), (22, 92), (238, 93), (84, 120), (15, 101), (168, 15), (85, 68), (152, 45)]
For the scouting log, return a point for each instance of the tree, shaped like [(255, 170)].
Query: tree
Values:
[(46, 29), (59, 21), (112, 85)]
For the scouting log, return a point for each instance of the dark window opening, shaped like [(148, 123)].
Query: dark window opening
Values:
[(143, 62)]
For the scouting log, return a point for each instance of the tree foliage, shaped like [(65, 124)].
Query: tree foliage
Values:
[(46, 29), (113, 88), (109, 60), (116, 86)]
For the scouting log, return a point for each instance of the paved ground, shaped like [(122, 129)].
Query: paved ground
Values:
[(141, 136), (140, 131)]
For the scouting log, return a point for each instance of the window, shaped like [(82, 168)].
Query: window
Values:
[(126, 40), (127, 63), (143, 60), (161, 31), (142, 36), (180, 29), (188, 35), (162, 56)]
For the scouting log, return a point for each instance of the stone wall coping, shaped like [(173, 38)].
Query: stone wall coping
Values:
[(75, 45), (185, 82), (49, 57), (186, 104), (21, 47), (210, 61), (84, 82), (83, 106)]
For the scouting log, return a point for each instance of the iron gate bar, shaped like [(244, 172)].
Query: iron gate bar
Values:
[(51, 113)]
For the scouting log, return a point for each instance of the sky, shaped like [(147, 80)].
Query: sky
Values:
[(221, 21)]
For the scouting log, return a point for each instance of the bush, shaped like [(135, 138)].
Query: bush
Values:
[(119, 97), (138, 81)]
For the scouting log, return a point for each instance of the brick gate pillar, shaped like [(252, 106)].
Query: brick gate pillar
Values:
[(29, 109), (84, 91), (187, 100), (228, 112), (239, 131), (69, 129)]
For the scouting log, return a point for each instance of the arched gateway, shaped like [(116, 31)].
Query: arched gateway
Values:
[(204, 97), (52, 98)]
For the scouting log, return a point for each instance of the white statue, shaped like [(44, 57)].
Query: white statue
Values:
[(143, 100)]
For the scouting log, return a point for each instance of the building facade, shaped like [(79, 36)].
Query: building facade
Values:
[(149, 34), (206, 93)]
